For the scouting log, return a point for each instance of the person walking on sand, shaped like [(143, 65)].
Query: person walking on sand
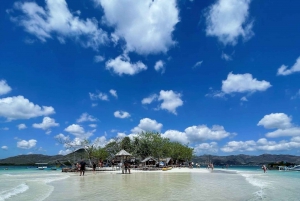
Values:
[(94, 167), (82, 168)]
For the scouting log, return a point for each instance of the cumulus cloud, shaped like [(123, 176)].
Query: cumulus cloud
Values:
[(62, 137), (86, 117), (294, 131), (176, 136), (93, 125), (23, 144), (18, 107), (228, 20), (195, 134), (46, 124), (202, 133), (4, 147), (56, 20), (99, 58), (100, 141), (159, 66), (241, 83), (113, 93), (21, 126), (121, 114), (146, 27), (170, 100), (147, 124), (4, 88), (99, 96), (122, 65), (241, 146), (79, 131), (64, 152), (282, 123), (149, 99), (206, 148), (284, 71), (275, 120), (244, 99), (260, 145)]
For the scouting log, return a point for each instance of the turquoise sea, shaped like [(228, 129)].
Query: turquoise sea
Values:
[(236, 183)]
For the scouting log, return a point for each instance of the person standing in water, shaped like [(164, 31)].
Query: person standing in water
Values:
[(264, 168), (82, 168)]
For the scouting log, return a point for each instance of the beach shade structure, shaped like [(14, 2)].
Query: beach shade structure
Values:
[(123, 154)]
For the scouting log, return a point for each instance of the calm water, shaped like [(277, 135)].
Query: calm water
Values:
[(236, 183)]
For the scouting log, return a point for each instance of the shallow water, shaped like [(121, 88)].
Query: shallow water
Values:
[(246, 184)]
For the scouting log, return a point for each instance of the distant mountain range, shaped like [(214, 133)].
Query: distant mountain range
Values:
[(241, 159), (31, 159), (246, 159)]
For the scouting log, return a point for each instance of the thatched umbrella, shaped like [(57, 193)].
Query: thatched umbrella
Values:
[(123, 154)]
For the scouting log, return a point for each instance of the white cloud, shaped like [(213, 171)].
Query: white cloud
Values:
[(46, 124), (195, 134), (62, 137), (159, 66), (64, 152), (113, 93), (176, 136), (146, 27), (4, 147), (294, 131), (99, 58), (23, 144), (79, 131), (241, 146), (100, 141), (93, 125), (275, 120), (297, 95), (206, 148), (122, 65), (171, 100), (21, 126), (18, 107), (121, 114), (5, 128), (199, 63), (202, 133), (284, 71), (4, 88), (86, 117), (228, 20), (244, 99), (147, 124), (226, 57), (99, 96), (149, 99), (241, 83), (260, 145), (57, 20)]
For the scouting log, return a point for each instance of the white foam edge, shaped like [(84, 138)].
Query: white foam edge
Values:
[(21, 188)]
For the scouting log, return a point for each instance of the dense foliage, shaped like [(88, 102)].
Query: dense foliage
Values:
[(150, 144)]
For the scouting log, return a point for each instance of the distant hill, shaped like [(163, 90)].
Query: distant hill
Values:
[(246, 159), (241, 159), (31, 159)]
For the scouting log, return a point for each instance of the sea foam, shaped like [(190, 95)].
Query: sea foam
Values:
[(14, 191)]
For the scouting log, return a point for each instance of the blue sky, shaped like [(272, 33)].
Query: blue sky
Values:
[(220, 75)]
